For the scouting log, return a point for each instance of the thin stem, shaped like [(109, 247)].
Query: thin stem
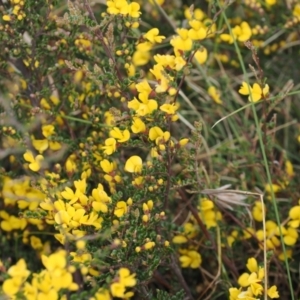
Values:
[(265, 160)]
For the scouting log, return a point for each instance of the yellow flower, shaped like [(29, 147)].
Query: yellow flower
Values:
[(276, 188), (190, 259), (144, 47), (118, 290), (143, 107), (100, 199), (206, 204), (120, 136), (91, 219), (71, 164), (6, 18), (123, 280), (138, 125), (165, 60), (18, 274), (289, 169), (290, 236), (120, 209), (116, 7), (149, 245), (138, 181), (201, 55), (255, 93), (134, 164), (110, 146), (164, 86), (294, 214), (183, 142), (208, 213), (234, 293), (69, 194), (155, 132), (271, 2), (140, 58), (153, 36), (107, 166), (35, 162), (241, 33), (36, 243), (134, 10), (198, 31), (48, 130), (55, 261), (296, 10), (179, 239), (143, 87), (272, 292), (182, 41), (42, 145), (126, 278), (271, 233), (102, 294), (198, 14), (170, 109), (232, 237), (257, 211), (215, 94), (254, 278)]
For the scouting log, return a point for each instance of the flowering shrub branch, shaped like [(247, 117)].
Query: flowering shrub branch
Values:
[(104, 191)]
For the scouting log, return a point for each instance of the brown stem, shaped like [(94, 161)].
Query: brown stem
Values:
[(177, 271)]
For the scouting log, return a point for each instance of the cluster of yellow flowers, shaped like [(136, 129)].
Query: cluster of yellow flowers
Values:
[(83, 187), (17, 11), (48, 283), (253, 282)]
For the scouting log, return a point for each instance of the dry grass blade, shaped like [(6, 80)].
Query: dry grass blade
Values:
[(226, 197)]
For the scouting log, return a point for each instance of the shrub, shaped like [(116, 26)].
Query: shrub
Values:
[(138, 160)]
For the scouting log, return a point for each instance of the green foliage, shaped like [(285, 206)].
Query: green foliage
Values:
[(149, 150)]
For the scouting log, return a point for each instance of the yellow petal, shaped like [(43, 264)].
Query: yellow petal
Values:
[(245, 89)]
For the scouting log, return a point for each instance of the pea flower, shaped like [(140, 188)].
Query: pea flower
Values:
[(190, 259), (201, 55), (120, 135), (241, 33), (134, 164), (254, 278), (134, 10), (255, 93), (182, 41), (35, 162), (18, 274), (116, 7), (121, 209), (169, 109), (272, 292), (121, 282), (257, 211), (143, 106), (110, 146), (208, 213), (197, 32), (100, 199), (294, 215), (138, 125), (153, 36), (214, 94)]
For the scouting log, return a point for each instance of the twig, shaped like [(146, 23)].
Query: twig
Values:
[(177, 271)]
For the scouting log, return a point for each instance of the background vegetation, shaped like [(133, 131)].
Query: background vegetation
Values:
[(149, 149)]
